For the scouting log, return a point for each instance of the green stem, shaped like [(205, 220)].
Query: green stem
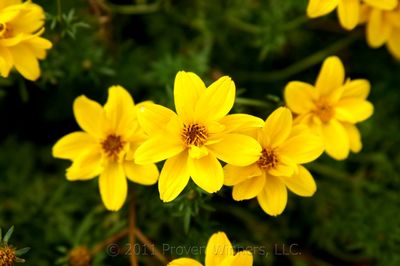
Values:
[(243, 26), (59, 11), (295, 23), (301, 65), (251, 102), (134, 9)]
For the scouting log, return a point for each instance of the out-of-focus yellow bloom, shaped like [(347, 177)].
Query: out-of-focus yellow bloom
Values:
[(348, 10), (332, 107), (197, 136), (106, 146), (285, 147), (219, 252), (21, 25), (383, 27)]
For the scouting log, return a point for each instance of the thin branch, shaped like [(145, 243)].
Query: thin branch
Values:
[(112, 239), (132, 229), (154, 251)]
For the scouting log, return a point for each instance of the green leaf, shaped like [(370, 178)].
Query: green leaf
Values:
[(22, 251), (7, 236)]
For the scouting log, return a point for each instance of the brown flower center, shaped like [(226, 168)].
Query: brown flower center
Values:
[(268, 159), (7, 256), (79, 256), (112, 145), (194, 134), (324, 111)]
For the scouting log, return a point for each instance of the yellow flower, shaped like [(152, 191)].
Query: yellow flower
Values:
[(219, 252), (332, 107), (383, 27), (285, 147), (106, 146), (348, 10), (196, 136), (21, 25)]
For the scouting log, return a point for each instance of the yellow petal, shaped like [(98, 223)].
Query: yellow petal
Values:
[(354, 137), (5, 3), (249, 188), (218, 248), (393, 43), (302, 148), (278, 126), (184, 262), (6, 62), (39, 46), (336, 140), (242, 258), (317, 8), (236, 174), (141, 174), (302, 183), (299, 97), (30, 19), (119, 109), (188, 88), (207, 173), (283, 168), (349, 13), (153, 117), (86, 166), (25, 61), (113, 186), (378, 29), (158, 148), (89, 115), (273, 197), (353, 110), (236, 149), (73, 145), (330, 77), (358, 88), (382, 4), (217, 100), (241, 122), (174, 177)]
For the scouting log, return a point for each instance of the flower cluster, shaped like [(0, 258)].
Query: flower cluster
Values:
[(21, 25), (263, 158), (219, 252), (382, 18)]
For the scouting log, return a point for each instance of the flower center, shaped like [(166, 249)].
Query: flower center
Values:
[(7, 256), (268, 159), (324, 111), (79, 256), (194, 134), (4, 30), (112, 145)]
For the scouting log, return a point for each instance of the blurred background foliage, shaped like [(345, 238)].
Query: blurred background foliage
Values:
[(353, 219)]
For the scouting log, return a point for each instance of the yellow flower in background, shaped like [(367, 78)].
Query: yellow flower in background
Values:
[(348, 10), (383, 27), (21, 25), (106, 146), (332, 107), (197, 136), (285, 148), (219, 252)]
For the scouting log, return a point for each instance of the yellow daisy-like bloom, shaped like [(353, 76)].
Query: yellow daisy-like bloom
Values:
[(106, 146), (383, 27), (332, 107), (285, 147), (196, 136), (219, 252), (348, 10), (21, 25)]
